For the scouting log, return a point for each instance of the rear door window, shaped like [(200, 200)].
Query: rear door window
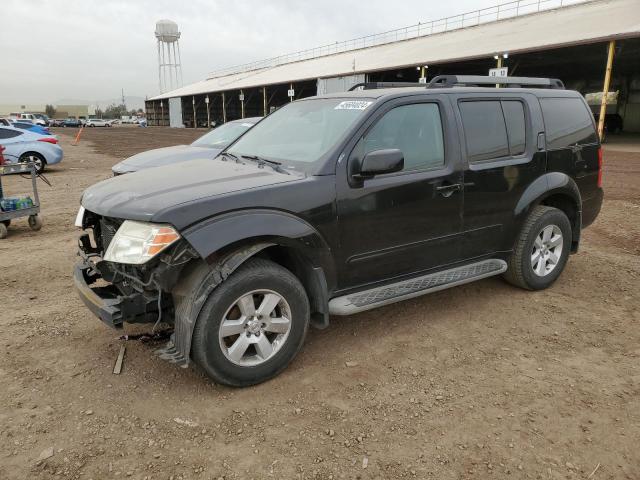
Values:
[(567, 122), (484, 129), (493, 129)]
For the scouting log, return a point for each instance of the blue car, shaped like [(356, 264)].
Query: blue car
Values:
[(25, 146), (31, 127)]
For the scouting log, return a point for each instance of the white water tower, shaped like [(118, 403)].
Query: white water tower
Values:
[(169, 64)]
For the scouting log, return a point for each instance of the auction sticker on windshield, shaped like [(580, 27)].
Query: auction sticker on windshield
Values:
[(352, 105)]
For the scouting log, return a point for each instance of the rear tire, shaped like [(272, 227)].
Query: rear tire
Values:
[(252, 325), (541, 250), (3, 230), (36, 158)]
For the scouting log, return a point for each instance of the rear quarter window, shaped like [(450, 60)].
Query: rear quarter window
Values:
[(6, 133), (567, 122)]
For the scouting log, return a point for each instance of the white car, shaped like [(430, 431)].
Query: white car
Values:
[(25, 146), (30, 117), (97, 122)]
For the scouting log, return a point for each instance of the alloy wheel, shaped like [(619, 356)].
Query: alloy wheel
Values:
[(37, 161), (255, 327), (547, 250)]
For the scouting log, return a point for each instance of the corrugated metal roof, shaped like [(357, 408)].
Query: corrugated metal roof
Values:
[(579, 24)]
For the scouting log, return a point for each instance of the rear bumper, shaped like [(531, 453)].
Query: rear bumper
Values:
[(53, 155), (591, 208), (106, 309)]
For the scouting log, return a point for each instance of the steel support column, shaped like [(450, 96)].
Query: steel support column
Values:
[(208, 111), (224, 110), (264, 101), (193, 102)]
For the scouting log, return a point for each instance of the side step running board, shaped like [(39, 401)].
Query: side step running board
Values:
[(414, 287)]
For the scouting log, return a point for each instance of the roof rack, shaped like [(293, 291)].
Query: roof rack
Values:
[(448, 81), (376, 85)]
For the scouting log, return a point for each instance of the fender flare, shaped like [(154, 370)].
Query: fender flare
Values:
[(222, 246), (213, 237), (190, 295), (552, 183)]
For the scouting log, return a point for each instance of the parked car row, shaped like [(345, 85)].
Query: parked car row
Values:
[(25, 124)]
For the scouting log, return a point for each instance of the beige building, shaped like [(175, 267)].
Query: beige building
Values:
[(62, 111), (6, 110)]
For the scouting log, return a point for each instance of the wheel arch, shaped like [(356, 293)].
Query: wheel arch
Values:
[(216, 237), (223, 246), (33, 152), (558, 190)]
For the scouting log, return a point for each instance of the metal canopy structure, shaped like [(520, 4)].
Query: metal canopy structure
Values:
[(583, 23)]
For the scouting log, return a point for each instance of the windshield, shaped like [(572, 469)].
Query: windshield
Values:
[(223, 135), (300, 133)]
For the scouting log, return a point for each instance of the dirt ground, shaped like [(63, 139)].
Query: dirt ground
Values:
[(480, 381)]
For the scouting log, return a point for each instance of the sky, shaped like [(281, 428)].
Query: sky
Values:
[(53, 50)]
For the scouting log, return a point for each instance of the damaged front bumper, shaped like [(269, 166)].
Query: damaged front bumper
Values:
[(108, 303), (101, 302)]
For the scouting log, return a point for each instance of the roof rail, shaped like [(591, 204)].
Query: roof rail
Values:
[(447, 81), (375, 85)]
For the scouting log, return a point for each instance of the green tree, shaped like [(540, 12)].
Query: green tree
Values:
[(115, 111), (50, 110)]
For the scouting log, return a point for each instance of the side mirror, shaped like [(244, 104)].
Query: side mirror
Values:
[(381, 161)]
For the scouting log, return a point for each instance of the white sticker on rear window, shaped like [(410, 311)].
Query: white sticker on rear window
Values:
[(247, 124), (353, 105)]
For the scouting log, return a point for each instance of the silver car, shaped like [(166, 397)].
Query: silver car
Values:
[(207, 146), (97, 122)]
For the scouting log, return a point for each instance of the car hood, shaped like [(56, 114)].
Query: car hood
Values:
[(163, 156), (172, 193)]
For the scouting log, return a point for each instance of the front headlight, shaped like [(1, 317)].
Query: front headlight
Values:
[(137, 242)]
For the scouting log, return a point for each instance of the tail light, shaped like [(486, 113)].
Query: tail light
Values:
[(600, 167), (48, 140), (1, 155)]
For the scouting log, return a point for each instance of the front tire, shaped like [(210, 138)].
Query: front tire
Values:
[(541, 250), (252, 325)]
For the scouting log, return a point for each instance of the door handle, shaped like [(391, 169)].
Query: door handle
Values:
[(448, 189)]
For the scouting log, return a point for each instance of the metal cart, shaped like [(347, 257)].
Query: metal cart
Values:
[(35, 221)]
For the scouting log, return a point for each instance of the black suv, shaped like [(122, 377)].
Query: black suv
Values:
[(338, 204)]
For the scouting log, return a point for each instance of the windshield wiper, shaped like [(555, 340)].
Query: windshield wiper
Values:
[(230, 155), (261, 161)]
